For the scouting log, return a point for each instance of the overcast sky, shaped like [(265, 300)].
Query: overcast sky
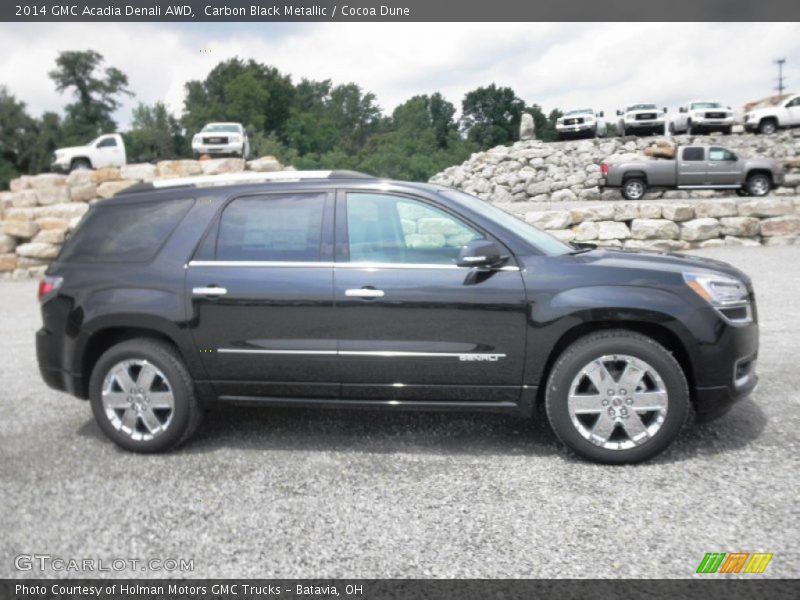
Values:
[(564, 65)]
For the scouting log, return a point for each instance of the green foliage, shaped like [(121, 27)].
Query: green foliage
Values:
[(491, 115), (310, 124), (154, 135), (96, 93)]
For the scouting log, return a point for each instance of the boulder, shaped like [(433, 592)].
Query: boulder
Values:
[(644, 229), (781, 240), (8, 262), (7, 243), (47, 180), (625, 211), (716, 208), (612, 230), (49, 236), (539, 187), (565, 195), (24, 230), (565, 235), (20, 183), (527, 128), (766, 207), (80, 177), (264, 164), (40, 251), (84, 192), (677, 212), (52, 223), (110, 188), (649, 210), (61, 211), (549, 219), (21, 199), (586, 231), (139, 171), (781, 226), (713, 243), (217, 166), (700, 229), (731, 240), (598, 212), (53, 195), (170, 169), (105, 174), (739, 226)]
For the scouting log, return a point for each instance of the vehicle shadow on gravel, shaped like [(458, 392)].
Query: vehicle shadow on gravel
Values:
[(434, 433)]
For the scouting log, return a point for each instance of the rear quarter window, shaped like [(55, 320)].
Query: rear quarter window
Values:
[(125, 232)]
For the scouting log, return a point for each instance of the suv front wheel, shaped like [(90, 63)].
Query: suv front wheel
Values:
[(142, 396), (617, 397)]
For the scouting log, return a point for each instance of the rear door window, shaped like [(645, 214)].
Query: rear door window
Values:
[(272, 228), (125, 232), (693, 153)]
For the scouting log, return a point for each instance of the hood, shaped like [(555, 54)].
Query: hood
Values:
[(71, 149), (661, 261)]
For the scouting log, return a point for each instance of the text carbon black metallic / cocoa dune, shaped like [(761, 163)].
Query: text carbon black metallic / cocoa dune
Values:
[(335, 289)]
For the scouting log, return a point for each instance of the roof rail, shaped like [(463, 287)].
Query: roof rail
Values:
[(256, 177)]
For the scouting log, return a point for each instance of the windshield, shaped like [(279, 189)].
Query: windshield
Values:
[(221, 127), (580, 111), (696, 105), (642, 107), (536, 237)]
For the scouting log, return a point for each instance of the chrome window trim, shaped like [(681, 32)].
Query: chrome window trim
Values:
[(333, 265), (466, 356)]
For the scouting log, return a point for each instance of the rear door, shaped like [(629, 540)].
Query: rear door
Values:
[(413, 326), (261, 289), (692, 167), (724, 167)]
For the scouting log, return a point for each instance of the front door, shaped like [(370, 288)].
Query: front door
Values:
[(261, 290), (413, 326), (692, 167)]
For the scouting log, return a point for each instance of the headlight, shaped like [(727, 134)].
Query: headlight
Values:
[(234, 139), (728, 295), (197, 137)]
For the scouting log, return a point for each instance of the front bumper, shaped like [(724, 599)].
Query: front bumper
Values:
[(59, 167), (658, 124), (217, 149), (574, 129), (703, 123)]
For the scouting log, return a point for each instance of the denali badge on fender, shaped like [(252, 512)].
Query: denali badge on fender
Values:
[(337, 289)]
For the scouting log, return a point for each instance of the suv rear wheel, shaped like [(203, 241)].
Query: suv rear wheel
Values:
[(617, 397), (142, 396), (767, 126)]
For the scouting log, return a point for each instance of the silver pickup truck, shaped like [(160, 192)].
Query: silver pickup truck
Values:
[(695, 167)]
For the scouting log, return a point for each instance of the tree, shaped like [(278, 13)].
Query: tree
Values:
[(96, 93), (155, 134), (258, 96), (491, 115), (17, 130)]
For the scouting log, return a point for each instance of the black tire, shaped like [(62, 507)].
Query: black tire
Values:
[(80, 164), (758, 184), (610, 342), (671, 128), (767, 126), (689, 128), (727, 131), (186, 413), (633, 188)]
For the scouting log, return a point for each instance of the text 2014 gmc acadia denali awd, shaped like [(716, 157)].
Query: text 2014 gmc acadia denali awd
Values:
[(337, 289)]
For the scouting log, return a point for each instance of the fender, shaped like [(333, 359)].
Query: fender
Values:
[(551, 319)]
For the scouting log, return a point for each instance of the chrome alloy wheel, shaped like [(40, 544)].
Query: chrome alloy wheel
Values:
[(634, 189), (137, 399), (617, 402)]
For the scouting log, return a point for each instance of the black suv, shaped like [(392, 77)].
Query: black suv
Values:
[(336, 289)]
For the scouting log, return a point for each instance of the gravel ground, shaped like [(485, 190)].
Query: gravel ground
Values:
[(281, 493)]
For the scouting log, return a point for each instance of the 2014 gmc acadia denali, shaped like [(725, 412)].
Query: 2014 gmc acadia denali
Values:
[(335, 289)]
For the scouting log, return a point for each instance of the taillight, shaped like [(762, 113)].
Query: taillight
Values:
[(604, 169), (48, 286)]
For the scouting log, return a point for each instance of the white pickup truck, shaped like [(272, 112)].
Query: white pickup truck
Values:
[(105, 151), (697, 116), (641, 119), (770, 114)]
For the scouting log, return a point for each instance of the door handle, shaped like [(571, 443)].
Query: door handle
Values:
[(209, 291), (364, 293)]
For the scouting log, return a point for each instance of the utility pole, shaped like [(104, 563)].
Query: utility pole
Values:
[(780, 87)]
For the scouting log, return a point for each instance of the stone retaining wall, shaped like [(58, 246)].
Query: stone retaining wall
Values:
[(39, 211), (535, 171), (672, 225)]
